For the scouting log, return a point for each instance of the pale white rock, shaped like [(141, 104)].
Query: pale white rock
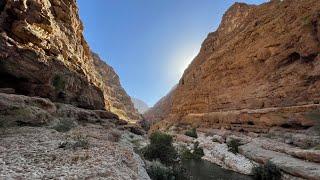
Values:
[(218, 153)]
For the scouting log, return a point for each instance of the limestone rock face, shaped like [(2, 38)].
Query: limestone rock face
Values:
[(116, 98), (260, 57), (43, 53)]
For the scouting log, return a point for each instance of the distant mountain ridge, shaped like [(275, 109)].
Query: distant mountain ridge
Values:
[(162, 108), (140, 105)]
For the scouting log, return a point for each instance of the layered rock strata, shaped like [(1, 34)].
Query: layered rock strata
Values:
[(260, 57), (43, 53), (116, 98)]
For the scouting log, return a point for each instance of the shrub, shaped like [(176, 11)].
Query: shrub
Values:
[(64, 125), (267, 172), (158, 171), (192, 133), (145, 124), (196, 154), (198, 151), (233, 146), (58, 82), (79, 141), (161, 148), (114, 136), (4, 124), (82, 142), (186, 154), (317, 147)]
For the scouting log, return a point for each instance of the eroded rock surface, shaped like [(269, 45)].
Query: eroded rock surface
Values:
[(43, 53), (260, 57), (287, 163), (116, 98)]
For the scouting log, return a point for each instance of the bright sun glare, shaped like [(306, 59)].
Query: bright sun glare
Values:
[(180, 61)]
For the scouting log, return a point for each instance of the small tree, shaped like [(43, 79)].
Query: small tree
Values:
[(233, 145), (192, 133), (161, 148)]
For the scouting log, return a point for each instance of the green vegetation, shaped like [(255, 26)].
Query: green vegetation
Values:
[(196, 154), (164, 157), (115, 136), (267, 172), (58, 82), (192, 133), (317, 147), (160, 148), (233, 146), (64, 125), (307, 20), (78, 141), (145, 124), (4, 125), (314, 116), (157, 171)]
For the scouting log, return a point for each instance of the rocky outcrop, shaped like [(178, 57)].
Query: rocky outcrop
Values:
[(116, 98), (141, 106), (288, 164), (34, 111), (43, 53), (260, 57), (219, 154)]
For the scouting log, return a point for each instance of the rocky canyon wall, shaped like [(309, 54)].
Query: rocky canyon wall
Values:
[(43, 53), (260, 57), (116, 98)]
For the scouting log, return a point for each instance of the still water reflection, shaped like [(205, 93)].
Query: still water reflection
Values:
[(204, 170)]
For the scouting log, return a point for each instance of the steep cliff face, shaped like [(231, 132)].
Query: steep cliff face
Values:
[(116, 98), (43, 53), (260, 57)]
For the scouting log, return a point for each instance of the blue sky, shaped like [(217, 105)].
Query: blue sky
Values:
[(149, 43)]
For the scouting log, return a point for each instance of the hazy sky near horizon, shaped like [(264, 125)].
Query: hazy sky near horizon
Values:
[(149, 43)]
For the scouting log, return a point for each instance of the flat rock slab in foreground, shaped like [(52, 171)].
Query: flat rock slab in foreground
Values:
[(36, 153), (286, 163)]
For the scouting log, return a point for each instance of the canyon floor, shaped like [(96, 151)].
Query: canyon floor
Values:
[(43, 140)]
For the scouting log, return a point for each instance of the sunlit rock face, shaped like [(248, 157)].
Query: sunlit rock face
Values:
[(43, 53), (116, 98), (260, 57)]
